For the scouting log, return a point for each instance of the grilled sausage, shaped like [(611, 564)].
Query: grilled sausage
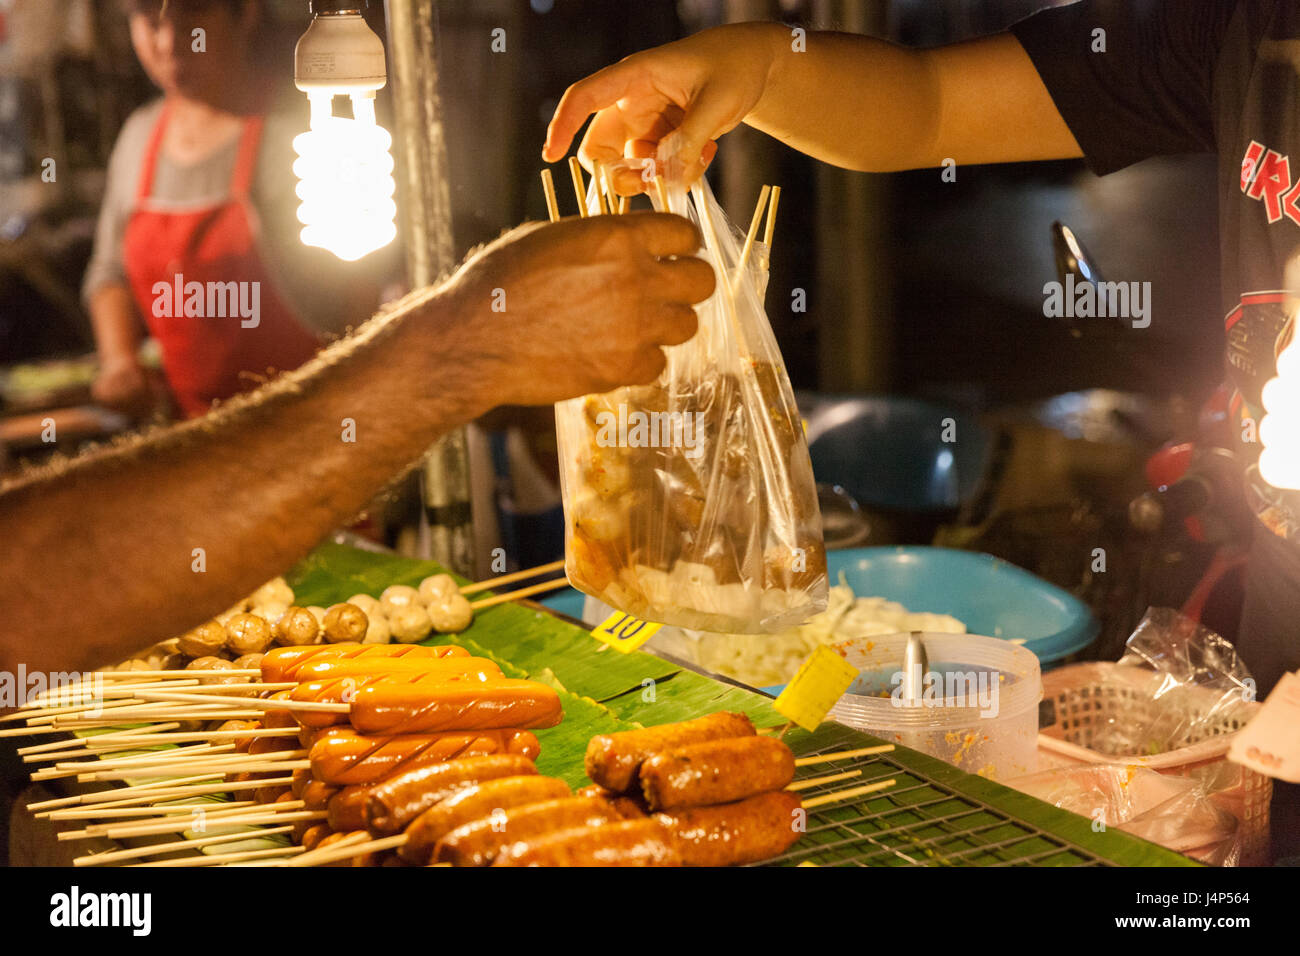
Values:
[(282, 663), (478, 843), (630, 806), (751, 830), (313, 834), (338, 682), (645, 842), (390, 707), (490, 799), (394, 802), (716, 771), (316, 795), (612, 760), (345, 759)]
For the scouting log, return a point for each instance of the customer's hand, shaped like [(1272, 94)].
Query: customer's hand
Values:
[(553, 311), (123, 385)]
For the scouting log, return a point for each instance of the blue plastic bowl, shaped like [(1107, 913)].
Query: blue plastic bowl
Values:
[(988, 595)]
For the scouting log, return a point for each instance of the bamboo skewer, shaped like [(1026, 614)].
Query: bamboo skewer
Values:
[(598, 178), (240, 817), (844, 755), (750, 236), (178, 675), (252, 704), (221, 859), (662, 192), (158, 810), (819, 781), (134, 853), (149, 791), (548, 187), (842, 795), (159, 791), (234, 766), (579, 187), (521, 593), (179, 756), (512, 577), (138, 731), (345, 849)]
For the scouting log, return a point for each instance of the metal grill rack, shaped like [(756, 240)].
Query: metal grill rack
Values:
[(916, 822)]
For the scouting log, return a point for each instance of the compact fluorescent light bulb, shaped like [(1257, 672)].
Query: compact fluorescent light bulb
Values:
[(344, 166), (1279, 432)]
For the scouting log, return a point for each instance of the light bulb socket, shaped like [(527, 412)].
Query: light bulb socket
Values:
[(339, 53), (330, 7)]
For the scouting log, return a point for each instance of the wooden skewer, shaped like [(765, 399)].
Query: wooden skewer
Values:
[(73, 702), (352, 839), (161, 810), (622, 205), (152, 770), (137, 731), (134, 853), (344, 850), (513, 577), (521, 593), (818, 781), (149, 790), (171, 755), (179, 675), (711, 242), (221, 859), (843, 755), (579, 187), (843, 795), (548, 187), (750, 236), (159, 791), (210, 820), (252, 704), (93, 708), (215, 816), (201, 735), (771, 218), (598, 177), (662, 190)]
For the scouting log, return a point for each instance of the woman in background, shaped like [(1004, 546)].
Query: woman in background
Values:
[(200, 185)]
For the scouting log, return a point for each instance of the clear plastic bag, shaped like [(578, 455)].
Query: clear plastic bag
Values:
[(1176, 812), (691, 501), (1197, 680)]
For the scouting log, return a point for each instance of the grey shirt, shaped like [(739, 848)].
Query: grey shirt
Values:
[(313, 282)]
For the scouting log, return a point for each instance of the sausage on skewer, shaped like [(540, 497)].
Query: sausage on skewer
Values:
[(613, 760), (748, 831), (390, 707), (477, 843), (716, 771), (489, 799), (350, 758), (389, 806), (281, 664), (645, 842)]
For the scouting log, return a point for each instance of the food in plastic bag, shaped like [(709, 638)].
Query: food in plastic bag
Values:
[(1175, 812), (1197, 681), (691, 501)]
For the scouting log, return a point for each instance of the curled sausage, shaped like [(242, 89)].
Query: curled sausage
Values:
[(645, 842), (716, 771), (491, 798), (613, 760), (477, 843), (393, 803)]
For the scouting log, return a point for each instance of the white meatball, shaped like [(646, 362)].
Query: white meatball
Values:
[(272, 612), (452, 615), (410, 624), (378, 632), (367, 604), (397, 597), (600, 520), (275, 591), (437, 588)]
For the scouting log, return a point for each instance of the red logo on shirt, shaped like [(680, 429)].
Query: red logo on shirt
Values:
[(1266, 176)]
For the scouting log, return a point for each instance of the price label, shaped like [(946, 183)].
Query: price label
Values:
[(1269, 744), (624, 633), (821, 681)]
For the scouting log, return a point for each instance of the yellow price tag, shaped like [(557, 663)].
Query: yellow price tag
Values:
[(623, 632), (821, 681)]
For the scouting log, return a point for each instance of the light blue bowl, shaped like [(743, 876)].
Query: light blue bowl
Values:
[(988, 595)]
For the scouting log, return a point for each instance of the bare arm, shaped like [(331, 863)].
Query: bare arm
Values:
[(121, 382), (99, 556), (850, 100)]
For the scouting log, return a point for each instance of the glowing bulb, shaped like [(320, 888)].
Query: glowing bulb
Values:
[(344, 166), (1279, 432), (346, 185)]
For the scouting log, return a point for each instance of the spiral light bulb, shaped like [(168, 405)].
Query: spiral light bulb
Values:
[(1279, 432), (344, 166), (345, 173)]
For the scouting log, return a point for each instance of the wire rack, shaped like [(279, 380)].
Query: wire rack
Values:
[(917, 822)]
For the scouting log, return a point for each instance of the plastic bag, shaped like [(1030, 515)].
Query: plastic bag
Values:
[(691, 501), (1176, 812), (1198, 681)]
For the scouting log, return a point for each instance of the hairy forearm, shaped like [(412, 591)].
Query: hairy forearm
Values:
[(101, 556)]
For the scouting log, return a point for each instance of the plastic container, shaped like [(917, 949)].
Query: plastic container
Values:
[(1081, 697), (979, 711)]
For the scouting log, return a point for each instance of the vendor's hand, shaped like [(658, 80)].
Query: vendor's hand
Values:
[(123, 385), (702, 86), (554, 311)]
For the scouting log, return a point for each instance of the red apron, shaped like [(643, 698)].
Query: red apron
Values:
[(205, 356)]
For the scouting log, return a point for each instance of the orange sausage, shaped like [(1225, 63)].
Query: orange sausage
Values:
[(645, 842), (613, 760), (390, 707), (345, 759), (281, 663), (477, 843), (394, 802), (326, 683), (716, 771)]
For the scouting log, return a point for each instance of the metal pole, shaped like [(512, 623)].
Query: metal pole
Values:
[(425, 221)]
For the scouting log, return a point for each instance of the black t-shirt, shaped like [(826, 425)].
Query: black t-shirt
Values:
[(1220, 76)]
